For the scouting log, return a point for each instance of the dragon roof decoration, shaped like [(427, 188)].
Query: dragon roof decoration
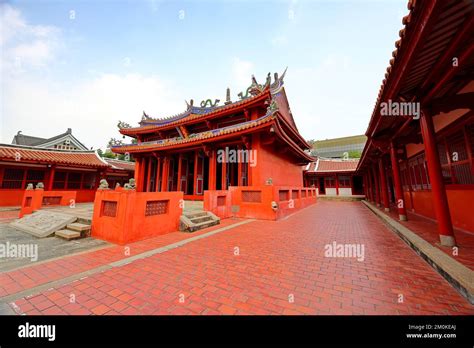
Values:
[(208, 106)]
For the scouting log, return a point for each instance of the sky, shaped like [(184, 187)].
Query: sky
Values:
[(87, 64)]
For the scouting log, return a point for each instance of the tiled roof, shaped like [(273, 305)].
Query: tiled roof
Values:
[(192, 114), (120, 165), (323, 165), (42, 155), (196, 137)]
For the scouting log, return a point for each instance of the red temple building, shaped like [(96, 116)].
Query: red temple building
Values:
[(334, 177), (61, 163), (419, 158), (250, 142)]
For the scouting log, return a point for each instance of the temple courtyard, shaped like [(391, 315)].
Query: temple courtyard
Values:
[(243, 266)]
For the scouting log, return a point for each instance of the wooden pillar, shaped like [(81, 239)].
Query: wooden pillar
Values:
[(49, 186), (397, 182), (224, 174), (180, 169), (212, 170), (376, 186), (137, 173), (383, 185), (165, 174), (158, 174), (196, 157), (148, 177), (337, 185), (439, 198), (239, 167)]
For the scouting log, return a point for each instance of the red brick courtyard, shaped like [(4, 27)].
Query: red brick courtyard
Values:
[(257, 267)]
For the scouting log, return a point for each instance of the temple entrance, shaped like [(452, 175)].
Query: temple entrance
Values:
[(322, 190), (358, 188)]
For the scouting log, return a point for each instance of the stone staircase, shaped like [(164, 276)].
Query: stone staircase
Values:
[(74, 231), (197, 220)]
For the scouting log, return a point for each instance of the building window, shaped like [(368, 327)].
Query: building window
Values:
[(59, 180), (418, 172), (330, 182), (13, 178), (344, 181), (88, 182), (454, 155), (74, 180), (34, 177)]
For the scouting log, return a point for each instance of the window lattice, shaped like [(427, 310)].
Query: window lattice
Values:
[(156, 207), (109, 208), (252, 196), (283, 195), (220, 201), (52, 200), (294, 194)]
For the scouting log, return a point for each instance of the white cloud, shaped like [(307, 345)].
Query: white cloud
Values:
[(92, 108), (24, 45), (242, 71), (46, 106)]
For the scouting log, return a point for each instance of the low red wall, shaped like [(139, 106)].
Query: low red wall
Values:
[(125, 216), (256, 201), (460, 203), (35, 199), (218, 202), (10, 198)]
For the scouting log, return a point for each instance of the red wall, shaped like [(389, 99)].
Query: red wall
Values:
[(271, 164), (461, 203), (11, 197), (130, 222)]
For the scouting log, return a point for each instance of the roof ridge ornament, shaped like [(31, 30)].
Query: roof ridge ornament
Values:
[(209, 101), (145, 117), (122, 125), (227, 97)]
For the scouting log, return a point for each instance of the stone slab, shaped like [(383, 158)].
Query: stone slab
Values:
[(76, 226), (67, 234), (42, 224)]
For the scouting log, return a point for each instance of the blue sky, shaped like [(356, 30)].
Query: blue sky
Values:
[(88, 64)]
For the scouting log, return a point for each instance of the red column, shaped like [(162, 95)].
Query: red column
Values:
[(337, 185), (383, 185), (224, 174), (148, 181), (164, 178), (397, 182), (180, 168), (195, 172), (376, 186), (49, 186), (158, 174), (142, 174), (137, 173), (439, 197), (212, 170), (239, 167)]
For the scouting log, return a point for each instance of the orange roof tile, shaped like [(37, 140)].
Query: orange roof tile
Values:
[(323, 165), (76, 158)]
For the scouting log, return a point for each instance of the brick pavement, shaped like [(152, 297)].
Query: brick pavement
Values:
[(280, 268)]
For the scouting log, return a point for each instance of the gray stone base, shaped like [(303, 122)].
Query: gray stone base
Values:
[(447, 240)]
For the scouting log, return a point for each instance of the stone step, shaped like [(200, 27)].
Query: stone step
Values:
[(204, 224), (197, 221), (68, 234), (196, 214), (76, 226)]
